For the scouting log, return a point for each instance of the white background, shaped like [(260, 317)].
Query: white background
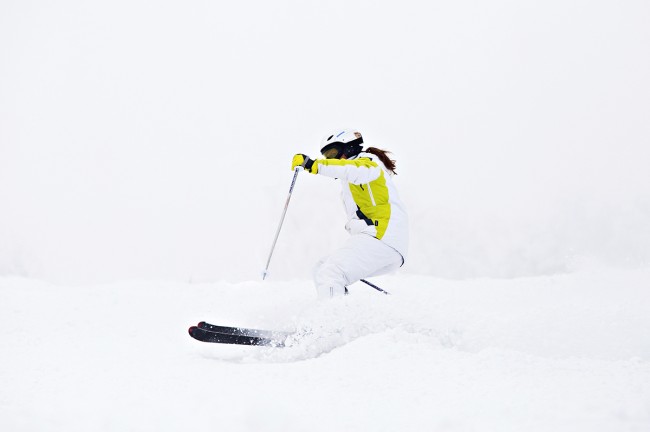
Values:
[(153, 139), (145, 149)]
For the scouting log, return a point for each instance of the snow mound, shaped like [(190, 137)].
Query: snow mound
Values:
[(560, 353)]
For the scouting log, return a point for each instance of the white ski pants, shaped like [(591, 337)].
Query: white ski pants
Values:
[(361, 256)]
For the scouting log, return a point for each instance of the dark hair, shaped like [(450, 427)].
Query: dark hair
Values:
[(383, 157)]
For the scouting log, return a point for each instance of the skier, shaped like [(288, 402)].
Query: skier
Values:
[(377, 219)]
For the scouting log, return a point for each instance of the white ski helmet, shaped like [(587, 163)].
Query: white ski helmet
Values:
[(343, 142)]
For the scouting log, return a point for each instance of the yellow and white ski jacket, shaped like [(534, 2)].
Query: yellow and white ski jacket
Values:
[(371, 201)]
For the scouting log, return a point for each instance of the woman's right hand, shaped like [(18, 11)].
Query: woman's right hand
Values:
[(304, 161)]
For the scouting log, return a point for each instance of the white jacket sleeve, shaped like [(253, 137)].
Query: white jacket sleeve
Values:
[(356, 171)]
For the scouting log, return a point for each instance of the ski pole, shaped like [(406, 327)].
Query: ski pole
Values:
[(265, 273), (375, 286)]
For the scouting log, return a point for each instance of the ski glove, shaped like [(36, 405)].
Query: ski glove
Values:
[(304, 161)]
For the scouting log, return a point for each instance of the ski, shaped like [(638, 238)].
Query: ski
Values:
[(243, 331), (206, 332)]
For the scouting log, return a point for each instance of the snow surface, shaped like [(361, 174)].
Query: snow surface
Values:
[(557, 353), (144, 164)]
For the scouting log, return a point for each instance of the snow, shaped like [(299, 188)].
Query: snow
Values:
[(561, 353), (144, 165)]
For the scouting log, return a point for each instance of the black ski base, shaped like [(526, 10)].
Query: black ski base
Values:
[(211, 333)]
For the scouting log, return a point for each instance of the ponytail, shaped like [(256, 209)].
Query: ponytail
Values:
[(383, 157)]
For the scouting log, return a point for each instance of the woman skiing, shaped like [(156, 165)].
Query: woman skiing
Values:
[(377, 219)]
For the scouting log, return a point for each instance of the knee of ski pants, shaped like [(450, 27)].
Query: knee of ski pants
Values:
[(329, 277)]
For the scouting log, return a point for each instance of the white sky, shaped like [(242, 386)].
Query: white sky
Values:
[(153, 139)]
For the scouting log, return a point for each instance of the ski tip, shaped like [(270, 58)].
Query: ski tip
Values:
[(201, 324), (191, 330)]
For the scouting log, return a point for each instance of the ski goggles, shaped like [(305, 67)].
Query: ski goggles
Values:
[(332, 150)]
